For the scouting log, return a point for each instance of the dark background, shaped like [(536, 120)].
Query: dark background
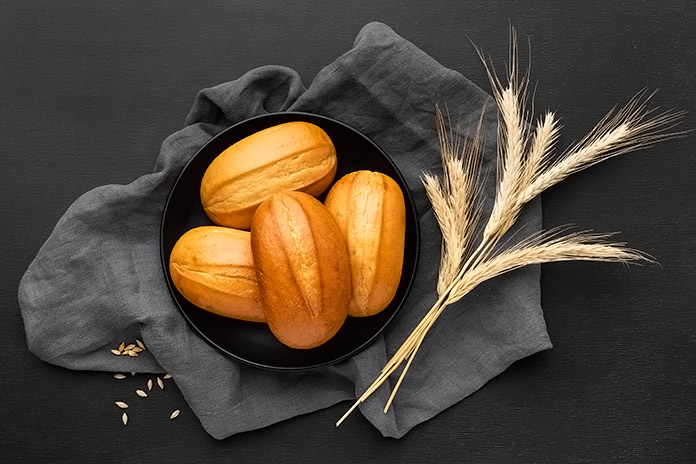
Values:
[(88, 90)]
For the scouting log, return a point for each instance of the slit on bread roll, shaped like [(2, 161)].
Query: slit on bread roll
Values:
[(292, 156), (370, 211), (302, 267), (213, 268)]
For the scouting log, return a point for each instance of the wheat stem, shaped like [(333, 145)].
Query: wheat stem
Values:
[(419, 340), (414, 341)]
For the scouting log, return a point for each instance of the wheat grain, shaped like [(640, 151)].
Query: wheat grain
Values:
[(121, 404), (119, 376), (160, 383), (141, 393), (542, 144), (174, 414), (124, 419)]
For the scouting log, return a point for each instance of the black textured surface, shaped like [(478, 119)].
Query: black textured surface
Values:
[(89, 91)]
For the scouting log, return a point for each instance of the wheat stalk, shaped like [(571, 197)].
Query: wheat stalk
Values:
[(526, 167)]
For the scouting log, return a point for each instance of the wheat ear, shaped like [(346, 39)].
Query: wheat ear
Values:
[(631, 128), (455, 197)]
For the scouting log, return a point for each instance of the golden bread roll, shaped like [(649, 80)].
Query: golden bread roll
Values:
[(370, 211), (302, 267), (213, 268), (292, 156)]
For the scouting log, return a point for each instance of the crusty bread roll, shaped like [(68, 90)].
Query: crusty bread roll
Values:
[(213, 268), (369, 209), (292, 156), (302, 267)]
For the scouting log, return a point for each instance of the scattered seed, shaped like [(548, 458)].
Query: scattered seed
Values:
[(140, 344), (141, 393), (160, 383), (124, 418), (130, 347), (116, 352), (137, 349), (121, 405), (120, 347), (131, 353), (175, 414), (119, 376), (149, 384), (167, 376)]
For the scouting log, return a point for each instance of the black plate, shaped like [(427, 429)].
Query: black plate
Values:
[(250, 342)]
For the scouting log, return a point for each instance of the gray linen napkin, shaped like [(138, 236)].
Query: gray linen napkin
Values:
[(97, 280)]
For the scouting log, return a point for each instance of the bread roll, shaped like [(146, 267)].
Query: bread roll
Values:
[(292, 156), (302, 267), (369, 209), (213, 268)]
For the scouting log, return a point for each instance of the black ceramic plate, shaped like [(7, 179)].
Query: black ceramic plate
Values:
[(250, 342)]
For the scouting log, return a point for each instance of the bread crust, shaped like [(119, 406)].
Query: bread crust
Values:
[(369, 209), (302, 267), (213, 268), (292, 156)]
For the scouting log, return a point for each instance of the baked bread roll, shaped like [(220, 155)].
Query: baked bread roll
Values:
[(369, 209), (292, 156), (213, 268), (302, 268)]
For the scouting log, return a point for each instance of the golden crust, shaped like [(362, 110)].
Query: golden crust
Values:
[(291, 156), (302, 267), (370, 211), (213, 268)]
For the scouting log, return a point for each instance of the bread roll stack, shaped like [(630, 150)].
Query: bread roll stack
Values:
[(305, 266)]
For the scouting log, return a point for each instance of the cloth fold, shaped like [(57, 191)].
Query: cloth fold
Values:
[(98, 280)]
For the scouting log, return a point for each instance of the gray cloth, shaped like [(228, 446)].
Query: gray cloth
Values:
[(97, 280)]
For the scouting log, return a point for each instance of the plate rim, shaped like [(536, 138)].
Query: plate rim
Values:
[(410, 204)]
